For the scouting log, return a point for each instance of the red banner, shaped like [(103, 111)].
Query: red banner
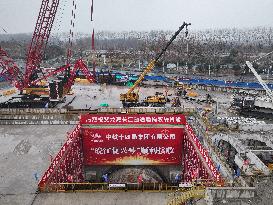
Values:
[(120, 119), (132, 146)]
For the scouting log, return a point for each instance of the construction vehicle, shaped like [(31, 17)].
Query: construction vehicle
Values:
[(156, 100), (259, 106), (191, 93), (30, 85), (131, 98), (186, 91), (176, 102)]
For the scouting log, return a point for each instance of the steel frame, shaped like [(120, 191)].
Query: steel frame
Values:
[(36, 50), (192, 165)]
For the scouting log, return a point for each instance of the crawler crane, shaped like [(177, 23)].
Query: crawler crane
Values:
[(27, 83)]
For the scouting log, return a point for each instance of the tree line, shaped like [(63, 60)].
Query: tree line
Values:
[(216, 47)]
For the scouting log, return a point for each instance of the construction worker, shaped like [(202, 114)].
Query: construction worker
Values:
[(177, 179), (105, 178), (218, 167), (184, 93), (70, 185), (36, 176), (140, 181), (208, 98)]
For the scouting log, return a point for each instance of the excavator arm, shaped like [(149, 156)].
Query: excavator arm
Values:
[(131, 96)]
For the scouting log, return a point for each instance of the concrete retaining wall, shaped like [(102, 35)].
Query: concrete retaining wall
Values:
[(22, 111), (43, 116), (36, 119), (257, 128), (37, 122), (229, 195)]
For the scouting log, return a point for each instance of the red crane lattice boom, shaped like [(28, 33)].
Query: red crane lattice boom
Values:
[(10, 71), (40, 37), (79, 65)]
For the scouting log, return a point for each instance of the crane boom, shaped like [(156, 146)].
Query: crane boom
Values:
[(141, 77), (268, 91), (40, 37), (36, 49), (28, 83), (79, 65), (10, 70), (130, 96)]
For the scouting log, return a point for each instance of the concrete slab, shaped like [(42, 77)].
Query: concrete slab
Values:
[(24, 151), (98, 198), (91, 96)]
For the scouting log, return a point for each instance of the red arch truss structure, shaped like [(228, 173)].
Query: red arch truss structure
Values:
[(67, 166), (130, 139)]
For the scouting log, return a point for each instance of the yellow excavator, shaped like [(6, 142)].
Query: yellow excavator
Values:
[(156, 100), (131, 98)]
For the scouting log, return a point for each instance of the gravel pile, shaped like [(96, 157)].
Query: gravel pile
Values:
[(264, 190), (231, 121)]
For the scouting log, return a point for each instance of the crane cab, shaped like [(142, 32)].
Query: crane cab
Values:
[(131, 97)]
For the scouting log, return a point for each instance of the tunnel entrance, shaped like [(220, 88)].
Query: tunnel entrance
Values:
[(130, 173), (124, 145)]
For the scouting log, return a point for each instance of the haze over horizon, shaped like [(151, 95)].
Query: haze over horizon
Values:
[(19, 16)]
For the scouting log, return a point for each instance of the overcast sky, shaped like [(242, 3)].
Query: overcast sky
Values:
[(19, 16)]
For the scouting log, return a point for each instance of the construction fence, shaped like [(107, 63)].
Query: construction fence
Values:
[(108, 187), (56, 116), (145, 186)]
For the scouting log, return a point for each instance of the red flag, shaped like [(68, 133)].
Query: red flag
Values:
[(93, 40), (92, 8)]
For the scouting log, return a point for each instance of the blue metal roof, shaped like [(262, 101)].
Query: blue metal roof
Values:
[(223, 83), (2, 79)]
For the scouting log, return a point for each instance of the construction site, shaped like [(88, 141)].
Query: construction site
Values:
[(83, 133)]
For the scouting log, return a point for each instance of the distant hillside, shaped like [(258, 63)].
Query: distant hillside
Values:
[(23, 37)]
